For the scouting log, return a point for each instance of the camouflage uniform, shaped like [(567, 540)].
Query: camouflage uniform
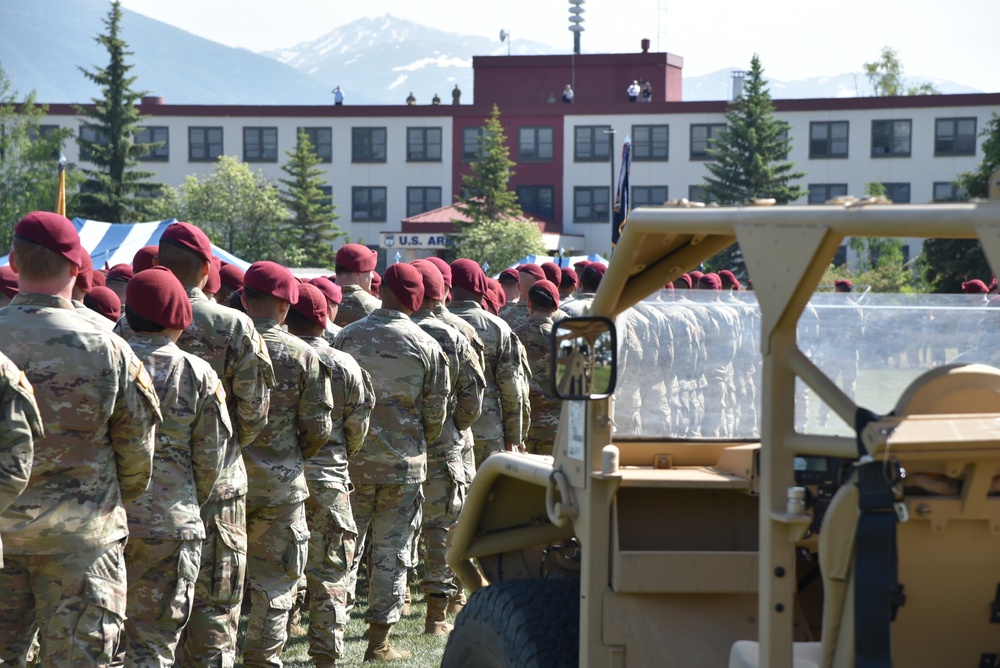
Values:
[(64, 572), (504, 405), (165, 526), (298, 425), (409, 374), (446, 483), (226, 339), (92, 316), (333, 534), (517, 314), (356, 304), (579, 305), (330, 333), (536, 335)]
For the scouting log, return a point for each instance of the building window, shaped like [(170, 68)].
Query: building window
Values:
[(470, 144), (322, 141), (204, 144), (368, 204), (648, 195), (699, 194), (703, 135), (891, 139), (955, 136), (537, 201), (92, 135), (899, 193), (592, 143), (819, 193), (590, 204), (327, 198), (260, 144), (42, 132), (535, 144), (946, 191), (420, 199), (650, 142), (828, 139), (423, 144), (368, 144), (154, 135)]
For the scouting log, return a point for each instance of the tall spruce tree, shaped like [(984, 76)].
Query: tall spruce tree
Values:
[(312, 224), (115, 191)]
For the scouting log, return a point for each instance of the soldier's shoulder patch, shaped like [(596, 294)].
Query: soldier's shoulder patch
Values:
[(25, 384), (220, 393), (139, 374)]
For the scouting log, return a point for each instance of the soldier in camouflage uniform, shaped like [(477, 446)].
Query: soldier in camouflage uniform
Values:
[(228, 341), (516, 314), (21, 426), (536, 335), (165, 526), (410, 376), (333, 294), (355, 266), (446, 483), (299, 425), (84, 284), (501, 424), (333, 534), (64, 573), (231, 278)]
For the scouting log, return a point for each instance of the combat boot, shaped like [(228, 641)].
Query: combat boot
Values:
[(379, 648), (436, 623), (456, 602)]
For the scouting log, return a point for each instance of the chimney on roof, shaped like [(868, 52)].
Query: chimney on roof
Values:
[(645, 45), (152, 100)]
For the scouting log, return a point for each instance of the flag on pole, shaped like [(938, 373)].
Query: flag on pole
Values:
[(620, 212), (61, 195)]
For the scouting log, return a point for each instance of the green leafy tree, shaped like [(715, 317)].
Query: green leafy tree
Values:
[(977, 182), (313, 214), (499, 243), (115, 191), (877, 252), (29, 160), (885, 76), (749, 158)]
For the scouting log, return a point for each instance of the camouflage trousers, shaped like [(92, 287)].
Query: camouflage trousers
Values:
[(279, 546), (210, 637), (443, 501), (484, 447), (75, 601), (333, 537), (392, 513), (161, 577)]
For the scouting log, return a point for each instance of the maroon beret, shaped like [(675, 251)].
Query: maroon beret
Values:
[(508, 275), (580, 265), (330, 290), (189, 237), (311, 304), (214, 282), (433, 280), (376, 283), (710, 282), (729, 279), (356, 258), (120, 272), (500, 297), (596, 268), (272, 279), (144, 258), (443, 267), (104, 301), (468, 275), (85, 279), (8, 282), (407, 284), (159, 297), (993, 284), (683, 282), (52, 231), (547, 287), (552, 272), (843, 283), (695, 276), (98, 278), (569, 277), (975, 287), (532, 269), (231, 276)]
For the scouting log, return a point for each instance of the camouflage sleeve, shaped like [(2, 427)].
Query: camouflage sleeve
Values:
[(471, 384), (210, 437), (511, 384), (133, 426), (359, 400), (435, 393), (20, 426), (315, 405), (252, 378)]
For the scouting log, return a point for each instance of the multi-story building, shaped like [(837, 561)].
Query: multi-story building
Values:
[(388, 164)]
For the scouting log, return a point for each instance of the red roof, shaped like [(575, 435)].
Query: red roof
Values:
[(441, 220)]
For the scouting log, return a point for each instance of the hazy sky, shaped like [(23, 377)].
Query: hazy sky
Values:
[(954, 39)]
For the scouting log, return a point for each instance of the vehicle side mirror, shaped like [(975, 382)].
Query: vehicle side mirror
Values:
[(584, 358)]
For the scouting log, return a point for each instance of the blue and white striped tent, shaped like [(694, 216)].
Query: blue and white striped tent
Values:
[(117, 243), (561, 261)]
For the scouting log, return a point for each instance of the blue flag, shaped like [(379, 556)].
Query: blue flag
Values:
[(620, 213)]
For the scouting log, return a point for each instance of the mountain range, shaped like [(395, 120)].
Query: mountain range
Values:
[(374, 60)]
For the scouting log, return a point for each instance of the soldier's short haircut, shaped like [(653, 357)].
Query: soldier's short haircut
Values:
[(337, 269), (236, 302), (35, 262), (186, 265), (299, 322), (541, 299), (256, 296), (589, 281), (139, 323)]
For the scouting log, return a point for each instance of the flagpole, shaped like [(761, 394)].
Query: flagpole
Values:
[(61, 195)]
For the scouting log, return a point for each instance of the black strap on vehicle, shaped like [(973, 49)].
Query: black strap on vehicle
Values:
[(877, 592)]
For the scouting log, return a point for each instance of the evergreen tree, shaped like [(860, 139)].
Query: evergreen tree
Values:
[(115, 191), (313, 215)]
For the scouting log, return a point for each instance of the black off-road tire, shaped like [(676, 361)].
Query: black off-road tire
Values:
[(518, 624)]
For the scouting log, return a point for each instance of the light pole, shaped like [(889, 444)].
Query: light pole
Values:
[(611, 161)]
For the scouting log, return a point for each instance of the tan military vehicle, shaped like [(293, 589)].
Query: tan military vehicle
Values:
[(815, 494)]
